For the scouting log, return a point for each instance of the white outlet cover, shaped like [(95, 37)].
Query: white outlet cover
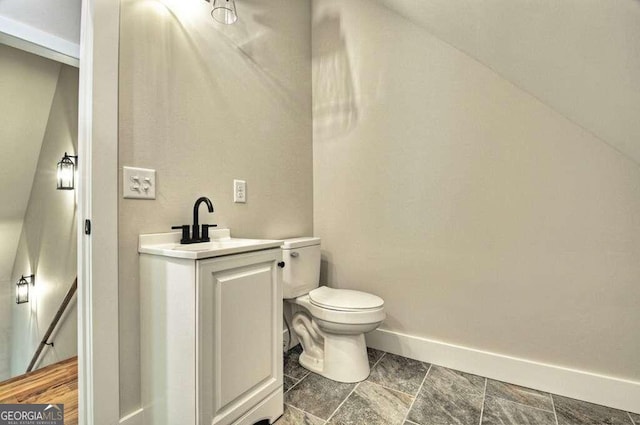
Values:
[(239, 191), (138, 183)]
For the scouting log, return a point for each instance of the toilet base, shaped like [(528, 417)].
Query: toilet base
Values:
[(345, 359)]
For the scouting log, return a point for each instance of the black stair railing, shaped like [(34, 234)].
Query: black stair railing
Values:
[(45, 339)]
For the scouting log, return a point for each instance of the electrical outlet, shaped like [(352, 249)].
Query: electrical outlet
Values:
[(138, 183), (239, 191)]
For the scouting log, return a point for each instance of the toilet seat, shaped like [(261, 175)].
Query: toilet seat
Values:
[(344, 317), (344, 299)]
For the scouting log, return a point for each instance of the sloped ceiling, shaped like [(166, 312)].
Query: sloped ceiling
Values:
[(47, 28), (60, 18), (27, 84), (579, 57)]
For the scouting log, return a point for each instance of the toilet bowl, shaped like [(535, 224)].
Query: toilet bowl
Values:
[(330, 323)]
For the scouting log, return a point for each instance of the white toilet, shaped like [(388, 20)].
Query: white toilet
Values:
[(332, 322)]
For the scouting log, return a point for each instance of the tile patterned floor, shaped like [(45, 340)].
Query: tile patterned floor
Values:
[(408, 392)]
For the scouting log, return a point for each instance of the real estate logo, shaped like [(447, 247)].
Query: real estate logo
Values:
[(31, 414)]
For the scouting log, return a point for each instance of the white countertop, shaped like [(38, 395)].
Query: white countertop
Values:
[(168, 245)]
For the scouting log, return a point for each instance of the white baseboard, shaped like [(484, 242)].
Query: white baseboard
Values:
[(133, 418), (600, 389)]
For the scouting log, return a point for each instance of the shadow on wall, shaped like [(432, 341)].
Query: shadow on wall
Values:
[(335, 110), (327, 269), (252, 64)]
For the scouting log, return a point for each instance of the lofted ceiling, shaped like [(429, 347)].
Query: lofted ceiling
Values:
[(579, 57), (50, 29), (60, 18), (27, 83)]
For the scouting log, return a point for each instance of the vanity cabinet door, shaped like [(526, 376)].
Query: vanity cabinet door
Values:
[(239, 344)]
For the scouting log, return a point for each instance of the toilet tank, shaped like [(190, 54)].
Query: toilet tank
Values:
[(301, 273)]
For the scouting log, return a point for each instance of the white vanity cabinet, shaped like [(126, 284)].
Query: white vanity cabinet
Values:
[(211, 335)]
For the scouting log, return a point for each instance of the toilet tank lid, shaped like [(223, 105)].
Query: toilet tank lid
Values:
[(300, 242)]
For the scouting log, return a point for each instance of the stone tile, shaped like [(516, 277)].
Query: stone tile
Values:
[(318, 395), (498, 411), (452, 380), (293, 416), (517, 394), (448, 397), (576, 412), (292, 365), (289, 382), (373, 355), (399, 373), (371, 404), (635, 417)]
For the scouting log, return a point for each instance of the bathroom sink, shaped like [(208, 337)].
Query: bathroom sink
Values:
[(168, 245)]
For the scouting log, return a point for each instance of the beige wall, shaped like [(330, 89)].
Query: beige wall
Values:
[(203, 104), (480, 214), (27, 83), (48, 244)]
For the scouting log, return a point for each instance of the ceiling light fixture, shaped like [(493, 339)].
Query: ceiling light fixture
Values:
[(224, 11)]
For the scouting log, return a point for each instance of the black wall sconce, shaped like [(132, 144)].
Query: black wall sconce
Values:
[(67, 172), (22, 288), (224, 11)]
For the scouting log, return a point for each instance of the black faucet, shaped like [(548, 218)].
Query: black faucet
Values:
[(197, 235)]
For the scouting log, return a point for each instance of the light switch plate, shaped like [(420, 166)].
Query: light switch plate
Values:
[(139, 183), (239, 191)]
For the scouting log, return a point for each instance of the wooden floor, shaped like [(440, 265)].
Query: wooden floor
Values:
[(54, 384)]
